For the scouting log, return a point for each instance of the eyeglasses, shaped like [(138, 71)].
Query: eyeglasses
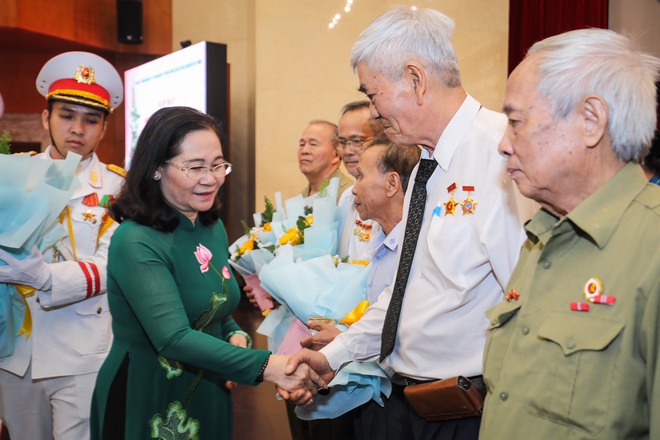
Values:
[(355, 144), (198, 172)]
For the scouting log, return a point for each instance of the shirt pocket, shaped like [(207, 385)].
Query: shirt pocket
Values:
[(578, 364), (457, 257), (93, 328), (502, 313)]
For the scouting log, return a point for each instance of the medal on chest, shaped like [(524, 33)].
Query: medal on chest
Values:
[(362, 230), (450, 205), (469, 204), (593, 292)]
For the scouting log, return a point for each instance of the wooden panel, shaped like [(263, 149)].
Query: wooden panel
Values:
[(9, 14), (18, 76), (95, 22), (90, 23), (43, 16), (157, 26)]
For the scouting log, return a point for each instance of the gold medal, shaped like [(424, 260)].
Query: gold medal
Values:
[(469, 204), (593, 291), (89, 216), (362, 230), (450, 206), (592, 288)]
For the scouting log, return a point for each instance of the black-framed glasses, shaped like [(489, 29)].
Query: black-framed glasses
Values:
[(355, 143), (197, 172)]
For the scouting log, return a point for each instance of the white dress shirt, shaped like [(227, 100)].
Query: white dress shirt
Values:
[(462, 262)]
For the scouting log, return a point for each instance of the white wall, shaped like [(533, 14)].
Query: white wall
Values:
[(640, 20)]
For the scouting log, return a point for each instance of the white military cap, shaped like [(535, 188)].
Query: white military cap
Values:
[(82, 78)]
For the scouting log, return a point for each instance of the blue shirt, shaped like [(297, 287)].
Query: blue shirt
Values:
[(384, 262)]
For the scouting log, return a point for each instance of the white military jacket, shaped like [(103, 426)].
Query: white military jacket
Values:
[(71, 327)]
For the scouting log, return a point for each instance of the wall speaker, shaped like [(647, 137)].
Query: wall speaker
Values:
[(129, 21)]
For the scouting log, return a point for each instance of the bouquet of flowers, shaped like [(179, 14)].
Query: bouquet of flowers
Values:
[(315, 287), (311, 222), (33, 192), (308, 224), (261, 236), (313, 284), (321, 288), (309, 240), (255, 248), (329, 290)]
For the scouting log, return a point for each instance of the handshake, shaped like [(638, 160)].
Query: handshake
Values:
[(299, 378)]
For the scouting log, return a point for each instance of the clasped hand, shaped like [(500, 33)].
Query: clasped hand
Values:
[(296, 382), (307, 361)]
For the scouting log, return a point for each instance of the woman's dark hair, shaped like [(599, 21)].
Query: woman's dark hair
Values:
[(141, 198)]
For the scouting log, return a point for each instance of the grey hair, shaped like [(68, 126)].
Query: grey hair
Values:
[(404, 33), (601, 62), (334, 136)]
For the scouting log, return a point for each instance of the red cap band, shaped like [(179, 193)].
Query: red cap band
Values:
[(69, 87)]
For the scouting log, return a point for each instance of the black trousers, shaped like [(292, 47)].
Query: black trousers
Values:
[(340, 428), (397, 420)]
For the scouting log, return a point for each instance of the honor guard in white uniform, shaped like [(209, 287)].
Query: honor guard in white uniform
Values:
[(47, 384)]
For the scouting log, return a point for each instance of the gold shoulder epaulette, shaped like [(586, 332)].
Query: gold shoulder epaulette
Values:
[(117, 170)]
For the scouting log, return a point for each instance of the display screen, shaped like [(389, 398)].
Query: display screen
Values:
[(179, 78)]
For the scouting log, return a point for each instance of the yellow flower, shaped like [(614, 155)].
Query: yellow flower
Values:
[(267, 227), (355, 314), (246, 247), (309, 219), (360, 262), (292, 236)]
